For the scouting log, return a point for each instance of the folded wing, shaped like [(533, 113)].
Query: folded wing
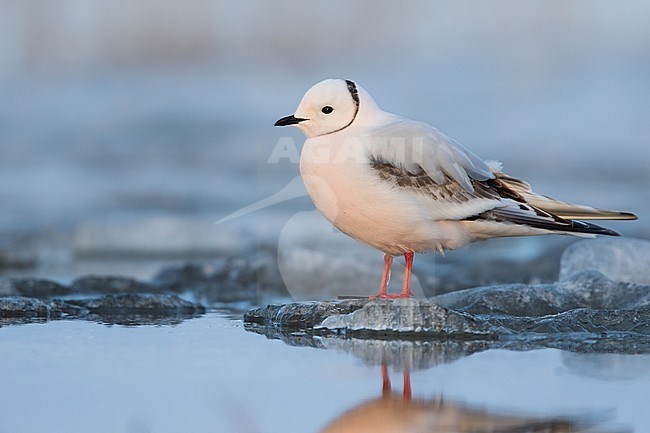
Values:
[(414, 146), (458, 185)]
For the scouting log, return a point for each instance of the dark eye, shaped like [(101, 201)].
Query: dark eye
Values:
[(327, 109)]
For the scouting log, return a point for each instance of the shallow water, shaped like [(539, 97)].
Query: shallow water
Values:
[(210, 375)]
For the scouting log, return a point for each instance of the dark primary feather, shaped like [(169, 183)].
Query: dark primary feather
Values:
[(507, 214), (519, 212)]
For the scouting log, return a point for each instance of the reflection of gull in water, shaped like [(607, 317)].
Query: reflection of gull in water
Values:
[(395, 413)]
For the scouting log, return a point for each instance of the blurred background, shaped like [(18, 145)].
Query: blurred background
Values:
[(128, 128)]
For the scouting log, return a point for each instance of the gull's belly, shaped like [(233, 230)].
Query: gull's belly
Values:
[(356, 201)]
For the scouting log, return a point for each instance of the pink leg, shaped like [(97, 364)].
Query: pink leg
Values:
[(406, 289), (385, 277)]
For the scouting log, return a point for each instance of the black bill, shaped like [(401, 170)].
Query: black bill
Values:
[(289, 120)]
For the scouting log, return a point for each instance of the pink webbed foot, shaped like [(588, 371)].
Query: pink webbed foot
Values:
[(391, 296)]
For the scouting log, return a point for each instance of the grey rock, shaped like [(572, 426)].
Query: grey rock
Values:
[(188, 277), (69, 310), (619, 259), (126, 309), (20, 306), (135, 309), (407, 316), (582, 320), (231, 280), (301, 315), (93, 284), (366, 317), (39, 288), (585, 313), (130, 302), (588, 289)]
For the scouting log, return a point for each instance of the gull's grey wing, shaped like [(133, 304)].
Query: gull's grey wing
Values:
[(415, 146), (420, 182), (447, 200)]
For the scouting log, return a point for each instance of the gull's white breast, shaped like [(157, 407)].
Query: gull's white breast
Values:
[(350, 194)]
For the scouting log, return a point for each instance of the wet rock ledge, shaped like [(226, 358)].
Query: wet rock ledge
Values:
[(124, 309), (372, 318), (113, 299), (586, 306), (593, 299)]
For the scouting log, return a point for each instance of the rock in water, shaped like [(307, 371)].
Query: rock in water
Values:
[(39, 288), (23, 307), (407, 316), (370, 317), (301, 315), (137, 309), (588, 289), (130, 302), (619, 259), (587, 312), (125, 308), (231, 280)]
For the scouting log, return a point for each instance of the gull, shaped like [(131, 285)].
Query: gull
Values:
[(403, 187)]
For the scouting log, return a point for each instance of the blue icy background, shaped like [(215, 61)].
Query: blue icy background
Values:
[(128, 128)]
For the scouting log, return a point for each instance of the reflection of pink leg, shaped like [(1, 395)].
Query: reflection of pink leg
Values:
[(385, 388), (385, 277), (407, 384)]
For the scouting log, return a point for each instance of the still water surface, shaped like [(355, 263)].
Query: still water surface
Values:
[(210, 375)]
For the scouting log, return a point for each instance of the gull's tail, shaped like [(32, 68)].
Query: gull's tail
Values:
[(540, 212), (568, 211)]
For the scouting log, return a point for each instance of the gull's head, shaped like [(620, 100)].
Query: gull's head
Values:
[(329, 106)]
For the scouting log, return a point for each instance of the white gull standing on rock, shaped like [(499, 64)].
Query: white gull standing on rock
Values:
[(403, 187)]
